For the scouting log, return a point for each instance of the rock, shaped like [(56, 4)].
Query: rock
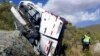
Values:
[(12, 43), (97, 47)]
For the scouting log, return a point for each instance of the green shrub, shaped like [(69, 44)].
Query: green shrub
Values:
[(6, 17)]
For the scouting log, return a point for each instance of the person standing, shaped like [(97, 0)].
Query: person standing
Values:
[(86, 41)]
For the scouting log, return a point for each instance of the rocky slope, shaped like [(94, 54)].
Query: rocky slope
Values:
[(12, 43)]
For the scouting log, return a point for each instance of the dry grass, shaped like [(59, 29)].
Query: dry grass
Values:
[(74, 52)]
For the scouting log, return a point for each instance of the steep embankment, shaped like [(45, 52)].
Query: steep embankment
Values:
[(13, 44)]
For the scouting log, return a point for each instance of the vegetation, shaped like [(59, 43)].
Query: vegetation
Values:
[(6, 17), (72, 39)]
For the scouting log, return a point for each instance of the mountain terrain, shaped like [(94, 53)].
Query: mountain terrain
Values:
[(12, 43)]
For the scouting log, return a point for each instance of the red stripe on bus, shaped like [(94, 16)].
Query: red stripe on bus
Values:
[(47, 49), (49, 42), (53, 25), (51, 32)]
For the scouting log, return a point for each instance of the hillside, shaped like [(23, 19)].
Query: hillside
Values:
[(95, 32), (94, 28), (72, 40)]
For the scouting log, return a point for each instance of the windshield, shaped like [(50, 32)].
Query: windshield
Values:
[(30, 13)]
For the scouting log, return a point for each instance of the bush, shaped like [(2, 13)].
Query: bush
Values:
[(6, 17)]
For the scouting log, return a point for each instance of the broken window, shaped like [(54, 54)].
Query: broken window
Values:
[(30, 13)]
